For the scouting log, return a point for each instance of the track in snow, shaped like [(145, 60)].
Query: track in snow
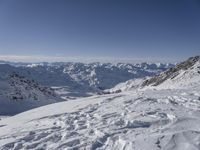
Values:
[(149, 120)]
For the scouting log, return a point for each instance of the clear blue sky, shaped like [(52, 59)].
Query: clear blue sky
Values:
[(129, 29)]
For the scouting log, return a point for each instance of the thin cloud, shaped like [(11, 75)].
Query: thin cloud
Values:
[(39, 58)]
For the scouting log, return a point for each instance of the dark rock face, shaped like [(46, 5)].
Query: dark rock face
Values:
[(172, 72), (20, 84)]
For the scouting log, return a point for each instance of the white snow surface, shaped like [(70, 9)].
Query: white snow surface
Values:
[(132, 84), (139, 120), (163, 117), (185, 79), (25, 86)]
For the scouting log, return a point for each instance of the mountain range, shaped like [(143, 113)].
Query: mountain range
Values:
[(24, 86), (158, 113)]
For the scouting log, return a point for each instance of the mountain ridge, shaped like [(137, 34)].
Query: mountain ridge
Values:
[(172, 73), (18, 93), (148, 118)]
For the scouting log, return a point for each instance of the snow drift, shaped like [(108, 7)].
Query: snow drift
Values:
[(141, 119)]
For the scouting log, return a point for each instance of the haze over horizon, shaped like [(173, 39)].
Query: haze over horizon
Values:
[(92, 30)]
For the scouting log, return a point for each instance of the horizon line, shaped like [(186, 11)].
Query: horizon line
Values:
[(51, 59)]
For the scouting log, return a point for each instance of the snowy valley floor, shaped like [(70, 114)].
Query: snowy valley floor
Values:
[(133, 120)]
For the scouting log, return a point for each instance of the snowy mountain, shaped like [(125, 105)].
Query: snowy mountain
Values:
[(181, 76), (96, 75), (71, 80), (25, 86), (18, 93), (139, 118), (184, 75), (79, 79)]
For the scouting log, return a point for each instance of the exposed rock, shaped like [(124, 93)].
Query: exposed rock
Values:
[(172, 72)]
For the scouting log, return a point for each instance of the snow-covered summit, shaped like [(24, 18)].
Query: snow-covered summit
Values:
[(182, 75)]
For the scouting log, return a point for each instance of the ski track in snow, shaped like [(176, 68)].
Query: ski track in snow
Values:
[(164, 119)]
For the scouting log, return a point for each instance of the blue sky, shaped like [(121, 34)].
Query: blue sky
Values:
[(166, 30)]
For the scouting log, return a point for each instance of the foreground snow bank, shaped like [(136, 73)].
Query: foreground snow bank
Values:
[(151, 119)]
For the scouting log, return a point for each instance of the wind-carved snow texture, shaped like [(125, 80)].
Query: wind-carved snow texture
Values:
[(150, 119), (138, 118)]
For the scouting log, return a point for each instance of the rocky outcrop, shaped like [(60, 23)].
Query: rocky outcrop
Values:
[(172, 72)]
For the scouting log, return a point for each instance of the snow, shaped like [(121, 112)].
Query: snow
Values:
[(162, 117), (33, 83), (185, 79), (92, 76), (150, 119), (18, 93), (128, 85)]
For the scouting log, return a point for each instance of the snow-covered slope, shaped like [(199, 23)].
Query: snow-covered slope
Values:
[(72, 80), (183, 75), (106, 75), (79, 79), (153, 120), (18, 93), (137, 119), (25, 86), (96, 75), (133, 84)]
